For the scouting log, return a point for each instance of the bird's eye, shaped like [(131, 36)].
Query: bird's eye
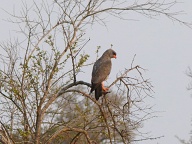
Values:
[(114, 53)]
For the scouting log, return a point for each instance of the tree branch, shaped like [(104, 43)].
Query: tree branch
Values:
[(69, 129)]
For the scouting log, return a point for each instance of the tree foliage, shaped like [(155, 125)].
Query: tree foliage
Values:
[(41, 99)]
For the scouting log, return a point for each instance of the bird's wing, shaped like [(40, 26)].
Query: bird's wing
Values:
[(101, 70)]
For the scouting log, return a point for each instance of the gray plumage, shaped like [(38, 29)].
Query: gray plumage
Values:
[(101, 69)]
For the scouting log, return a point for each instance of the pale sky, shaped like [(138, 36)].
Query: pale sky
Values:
[(162, 47)]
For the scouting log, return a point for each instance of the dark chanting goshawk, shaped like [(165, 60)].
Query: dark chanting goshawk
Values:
[(101, 70)]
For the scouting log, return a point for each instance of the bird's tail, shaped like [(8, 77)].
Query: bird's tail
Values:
[(98, 92), (92, 89)]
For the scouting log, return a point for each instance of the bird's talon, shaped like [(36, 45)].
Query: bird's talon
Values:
[(105, 89)]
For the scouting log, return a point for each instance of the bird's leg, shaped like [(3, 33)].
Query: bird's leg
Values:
[(105, 89)]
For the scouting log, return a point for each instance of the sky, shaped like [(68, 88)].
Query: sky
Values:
[(164, 48)]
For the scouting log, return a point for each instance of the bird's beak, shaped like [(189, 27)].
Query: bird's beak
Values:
[(114, 56)]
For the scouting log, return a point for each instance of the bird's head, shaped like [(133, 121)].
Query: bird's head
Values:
[(111, 53)]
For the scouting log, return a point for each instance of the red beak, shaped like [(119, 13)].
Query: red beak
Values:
[(114, 56)]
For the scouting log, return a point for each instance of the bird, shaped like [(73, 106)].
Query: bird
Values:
[(101, 70)]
